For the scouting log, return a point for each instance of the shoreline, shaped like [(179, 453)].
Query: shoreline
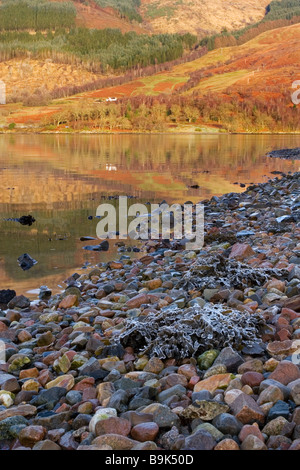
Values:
[(176, 350), (22, 132)]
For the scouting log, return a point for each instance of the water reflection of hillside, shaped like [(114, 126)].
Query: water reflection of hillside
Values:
[(62, 171), (62, 179)]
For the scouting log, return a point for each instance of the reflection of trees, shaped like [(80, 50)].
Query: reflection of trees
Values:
[(76, 155)]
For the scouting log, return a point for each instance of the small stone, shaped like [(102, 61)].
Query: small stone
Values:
[(17, 362), (45, 339), (30, 435), (279, 409), (206, 410), (279, 349), (230, 359), (177, 390), (62, 364), (206, 360), (73, 397), (295, 445), (231, 395), (145, 431), (113, 425), (119, 401), (294, 388), (211, 429), (102, 413), (250, 429), (154, 284), (115, 441), (247, 410), (213, 383), (7, 424), (64, 381), (278, 426), (24, 336), (285, 372), (68, 302), (138, 300), (253, 443), (188, 370), (19, 301), (86, 408), (104, 391), (20, 410), (227, 424), (46, 445), (162, 415), (279, 443), (253, 365), (270, 365), (6, 398), (200, 440), (31, 385), (253, 379), (154, 365), (241, 251), (148, 445), (215, 369), (270, 395), (29, 373), (227, 444)]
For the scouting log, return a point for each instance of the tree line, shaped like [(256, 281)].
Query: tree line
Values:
[(126, 8), (241, 112), (103, 51), (38, 15)]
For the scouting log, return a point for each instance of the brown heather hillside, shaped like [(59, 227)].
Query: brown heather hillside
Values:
[(92, 16), (173, 16), (201, 16)]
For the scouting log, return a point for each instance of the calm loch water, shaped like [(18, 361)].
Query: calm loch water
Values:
[(61, 179)]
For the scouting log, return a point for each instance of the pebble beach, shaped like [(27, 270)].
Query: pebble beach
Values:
[(173, 350)]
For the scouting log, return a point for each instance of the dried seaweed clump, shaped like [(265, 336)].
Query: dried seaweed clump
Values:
[(216, 271), (177, 333)]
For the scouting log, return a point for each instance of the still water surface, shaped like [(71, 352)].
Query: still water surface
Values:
[(61, 179)]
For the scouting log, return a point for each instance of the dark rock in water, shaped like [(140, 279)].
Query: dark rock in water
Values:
[(6, 295), (26, 262), (290, 154), (104, 246), (45, 293), (26, 220)]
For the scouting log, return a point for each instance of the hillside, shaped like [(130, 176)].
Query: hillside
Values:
[(201, 16), (240, 88), (256, 66), (91, 15)]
